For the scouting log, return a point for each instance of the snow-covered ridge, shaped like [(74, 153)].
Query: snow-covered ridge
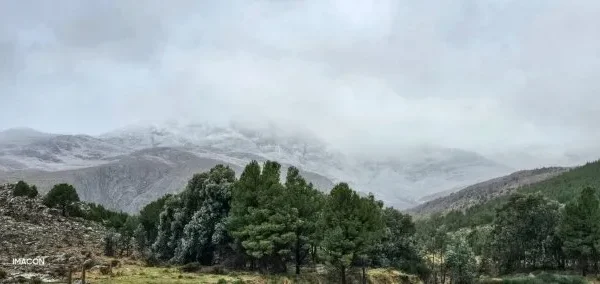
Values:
[(400, 180)]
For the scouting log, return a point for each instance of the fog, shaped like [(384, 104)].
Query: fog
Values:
[(369, 76)]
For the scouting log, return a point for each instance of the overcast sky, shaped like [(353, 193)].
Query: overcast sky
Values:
[(480, 75)]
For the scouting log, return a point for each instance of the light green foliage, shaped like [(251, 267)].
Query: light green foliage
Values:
[(580, 228), (460, 259), (63, 196), (521, 230)]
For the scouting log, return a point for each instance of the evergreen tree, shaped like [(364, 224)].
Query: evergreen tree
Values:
[(149, 218), (211, 195), (33, 192), (162, 248), (262, 222), (308, 201), (62, 196), (351, 225), (580, 229), (21, 189)]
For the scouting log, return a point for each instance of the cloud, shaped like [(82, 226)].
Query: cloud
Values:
[(489, 76)]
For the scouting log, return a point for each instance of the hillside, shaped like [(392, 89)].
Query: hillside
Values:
[(482, 192), (29, 229), (134, 180), (159, 158), (562, 188)]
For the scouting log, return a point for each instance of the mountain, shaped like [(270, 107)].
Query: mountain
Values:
[(481, 192), (126, 168)]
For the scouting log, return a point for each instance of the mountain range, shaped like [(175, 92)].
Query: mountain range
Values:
[(129, 167)]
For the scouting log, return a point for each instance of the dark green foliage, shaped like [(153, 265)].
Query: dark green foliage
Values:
[(398, 248), (520, 232), (110, 241), (352, 226), (580, 229), (309, 202), (191, 267), (33, 192), (262, 221), (62, 196), (149, 217), (98, 213), (3, 274), (23, 189)]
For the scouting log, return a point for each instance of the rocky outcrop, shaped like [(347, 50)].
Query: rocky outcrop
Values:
[(47, 242)]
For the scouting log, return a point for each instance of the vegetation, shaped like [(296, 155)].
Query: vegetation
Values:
[(258, 226), (552, 226), (23, 189), (62, 196)]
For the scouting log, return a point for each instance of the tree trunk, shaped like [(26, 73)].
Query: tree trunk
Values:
[(364, 274), (298, 260), (343, 274)]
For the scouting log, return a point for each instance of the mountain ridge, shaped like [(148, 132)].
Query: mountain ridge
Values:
[(399, 182)]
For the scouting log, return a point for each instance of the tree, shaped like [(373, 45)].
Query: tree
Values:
[(397, 248), (351, 225), (261, 220), (210, 195), (308, 201), (33, 192), (149, 218), (460, 259), (522, 230), (580, 229), (23, 189), (62, 196)]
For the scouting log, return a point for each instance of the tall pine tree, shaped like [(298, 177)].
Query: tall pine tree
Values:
[(580, 229)]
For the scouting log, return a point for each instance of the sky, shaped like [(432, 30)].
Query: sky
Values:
[(489, 76)]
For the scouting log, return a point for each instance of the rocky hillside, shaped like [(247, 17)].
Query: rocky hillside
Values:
[(481, 192), (28, 229), (127, 168)]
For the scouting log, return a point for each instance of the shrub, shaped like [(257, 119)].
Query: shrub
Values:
[(33, 192), (3, 274), (222, 281)]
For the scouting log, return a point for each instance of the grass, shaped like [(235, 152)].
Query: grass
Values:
[(137, 274)]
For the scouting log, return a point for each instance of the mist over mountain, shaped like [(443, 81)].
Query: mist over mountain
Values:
[(129, 167)]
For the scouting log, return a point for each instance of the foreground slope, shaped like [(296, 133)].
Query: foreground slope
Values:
[(29, 229)]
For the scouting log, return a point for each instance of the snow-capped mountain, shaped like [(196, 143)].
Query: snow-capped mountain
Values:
[(419, 171)]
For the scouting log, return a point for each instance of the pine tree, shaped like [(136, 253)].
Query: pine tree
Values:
[(262, 222), (352, 225), (211, 195), (580, 229), (308, 201), (62, 196), (21, 189)]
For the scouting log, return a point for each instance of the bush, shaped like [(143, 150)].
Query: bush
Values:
[(222, 281), (23, 189), (33, 192), (3, 274)]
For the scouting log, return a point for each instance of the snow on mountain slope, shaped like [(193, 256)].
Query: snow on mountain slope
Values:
[(398, 181), (21, 150), (413, 173)]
